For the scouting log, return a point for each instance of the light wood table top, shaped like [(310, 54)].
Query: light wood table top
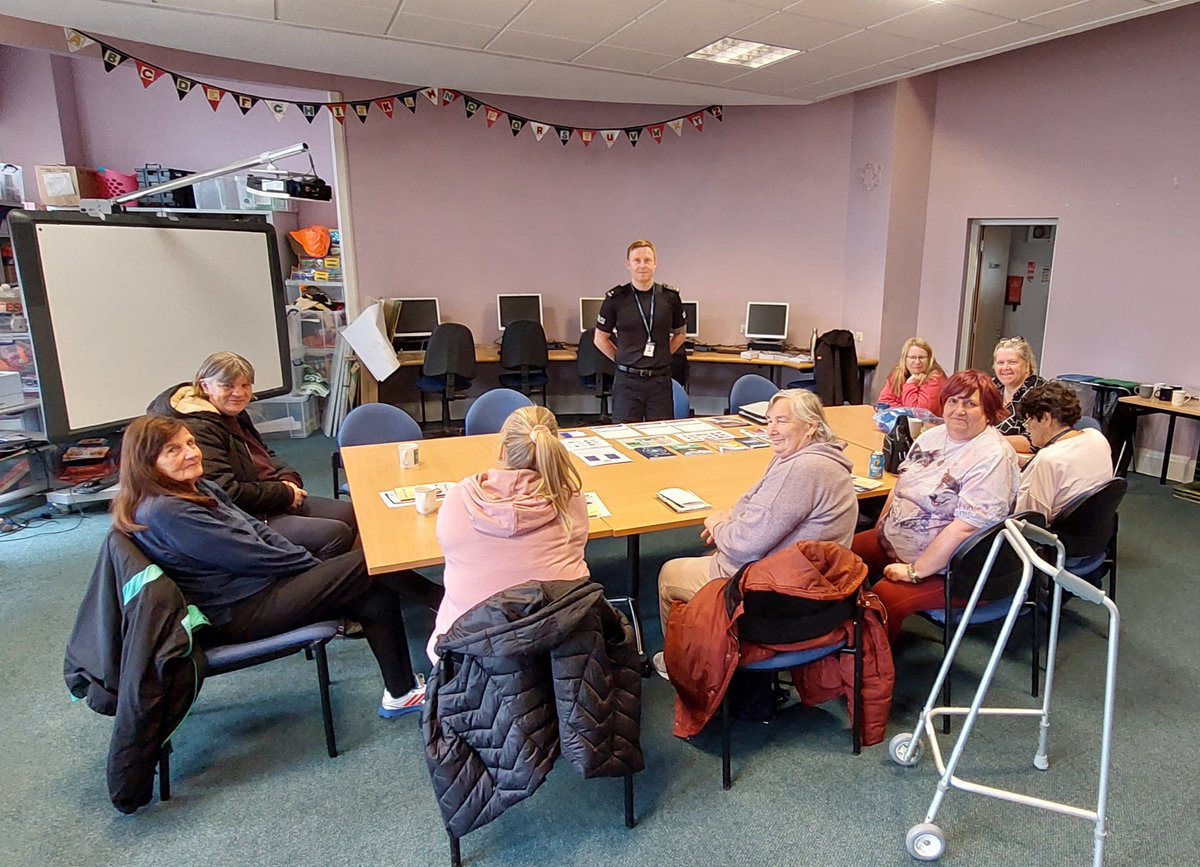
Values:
[(736, 358), (855, 424), (1191, 408)]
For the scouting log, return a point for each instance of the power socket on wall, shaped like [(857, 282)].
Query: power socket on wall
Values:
[(858, 336)]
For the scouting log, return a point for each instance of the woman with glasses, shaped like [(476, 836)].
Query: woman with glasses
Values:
[(916, 380), (1016, 373)]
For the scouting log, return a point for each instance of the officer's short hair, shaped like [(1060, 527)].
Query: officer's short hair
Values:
[(641, 242)]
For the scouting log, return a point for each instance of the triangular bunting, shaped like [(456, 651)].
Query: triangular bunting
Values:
[(717, 112), (516, 124), (309, 110), (610, 136), (471, 106), (245, 102), (564, 133), (338, 110), (634, 133), (587, 136), (76, 40), (656, 132), (112, 58), (409, 100), (387, 105), (540, 129), (431, 94), (491, 115), (676, 125), (213, 95), (278, 108), (697, 120), (147, 73), (183, 86), (360, 109), (448, 96)]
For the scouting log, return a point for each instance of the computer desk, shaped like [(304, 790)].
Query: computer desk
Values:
[(1146, 405)]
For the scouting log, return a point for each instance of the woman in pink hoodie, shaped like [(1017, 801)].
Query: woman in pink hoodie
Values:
[(524, 520), (916, 380)]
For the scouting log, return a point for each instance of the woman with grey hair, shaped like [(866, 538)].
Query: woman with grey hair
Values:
[(213, 406), (806, 493)]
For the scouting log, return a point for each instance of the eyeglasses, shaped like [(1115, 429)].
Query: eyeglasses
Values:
[(1004, 340)]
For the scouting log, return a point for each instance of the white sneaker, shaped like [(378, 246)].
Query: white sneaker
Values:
[(391, 707), (660, 665)]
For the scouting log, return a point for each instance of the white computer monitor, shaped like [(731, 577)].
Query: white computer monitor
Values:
[(418, 317), (691, 313), (767, 320), (510, 308), (589, 309)]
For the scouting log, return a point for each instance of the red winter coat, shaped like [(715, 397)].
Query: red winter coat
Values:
[(702, 649)]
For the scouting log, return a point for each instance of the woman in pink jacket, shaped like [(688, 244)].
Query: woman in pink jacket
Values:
[(524, 520), (916, 380)]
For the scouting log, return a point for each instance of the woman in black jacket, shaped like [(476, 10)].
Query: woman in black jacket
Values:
[(213, 406)]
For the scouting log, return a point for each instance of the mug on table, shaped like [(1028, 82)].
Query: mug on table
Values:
[(426, 499), (410, 455)]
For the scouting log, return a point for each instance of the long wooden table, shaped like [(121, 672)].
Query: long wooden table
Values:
[(1147, 405)]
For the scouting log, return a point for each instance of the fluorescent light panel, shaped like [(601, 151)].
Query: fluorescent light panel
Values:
[(739, 52)]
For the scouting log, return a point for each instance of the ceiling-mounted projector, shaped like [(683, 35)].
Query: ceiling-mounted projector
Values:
[(289, 187)]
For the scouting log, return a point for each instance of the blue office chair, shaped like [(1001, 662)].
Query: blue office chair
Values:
[(683, 409), (750, 388), (369, 424), (488, 412), (1087, 422)]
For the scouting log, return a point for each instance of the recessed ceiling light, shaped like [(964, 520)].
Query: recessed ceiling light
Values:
[(739, 52)]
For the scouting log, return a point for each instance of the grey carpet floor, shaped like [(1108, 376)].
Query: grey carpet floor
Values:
[(252, 784)]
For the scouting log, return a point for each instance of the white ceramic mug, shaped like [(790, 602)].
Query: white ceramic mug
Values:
[(1180, 397), (1146, 389), (426, 499), (915, 426), (410, 455)]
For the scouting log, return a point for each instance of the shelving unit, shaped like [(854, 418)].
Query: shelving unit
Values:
[(17, 352)]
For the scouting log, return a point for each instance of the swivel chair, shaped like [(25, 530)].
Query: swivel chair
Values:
[(449, 367), (488, 412), (596, 370), (750, 388), (523, 349), (369, 424)]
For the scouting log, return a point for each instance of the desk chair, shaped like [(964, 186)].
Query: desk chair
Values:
[(367, 425), (750, 388), (449, 367), (1087, 528), (683, 408), (596, 370), (488, 412), (523, 349)]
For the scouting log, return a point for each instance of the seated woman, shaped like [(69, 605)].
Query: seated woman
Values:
[(523, 520), (1016, 373), (1067, 463), (213, 406), (916, 380), (958, 478), (248, 580), (806, 493)]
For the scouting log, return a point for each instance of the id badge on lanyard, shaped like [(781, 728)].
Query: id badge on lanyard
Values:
[(648, 349)]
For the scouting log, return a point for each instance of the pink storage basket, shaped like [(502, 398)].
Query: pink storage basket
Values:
[(113, 183)]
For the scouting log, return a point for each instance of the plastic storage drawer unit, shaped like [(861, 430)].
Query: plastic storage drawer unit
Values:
[(292, 415)]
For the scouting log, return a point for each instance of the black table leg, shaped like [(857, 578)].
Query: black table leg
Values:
[(1162, 478)]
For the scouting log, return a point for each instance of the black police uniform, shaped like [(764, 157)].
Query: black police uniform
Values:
[(642, 386)]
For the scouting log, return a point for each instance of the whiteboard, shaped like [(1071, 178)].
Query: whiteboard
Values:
[(123, 307)]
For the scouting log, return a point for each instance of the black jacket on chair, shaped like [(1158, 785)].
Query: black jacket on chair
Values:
[(538, 669), (835, 366), (131, 656)]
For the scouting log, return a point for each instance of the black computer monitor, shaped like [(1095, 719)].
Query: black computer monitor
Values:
[(691, 313), (418, 317), (589, 309), (766, 320), (510, 308)]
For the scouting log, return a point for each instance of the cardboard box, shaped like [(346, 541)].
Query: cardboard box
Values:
[(66, 185)]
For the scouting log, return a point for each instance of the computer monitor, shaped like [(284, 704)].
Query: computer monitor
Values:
[(691, 315), (510, 308), (589, 309), (766, 320), (418, 317)]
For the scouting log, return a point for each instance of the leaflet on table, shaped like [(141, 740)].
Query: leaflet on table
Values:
[(657, 428), (755, 411), (682, 501), (585, 444), (691, 450), (861, 484), (728, 421), (573, 434), (614, 431), (654, 452), (646, 442), (692, 425), (752, 442), (595, 505), (710, 435), (734, 445), (407, 495), (601, 456)]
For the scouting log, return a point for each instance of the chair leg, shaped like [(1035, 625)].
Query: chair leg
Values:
[(455, 852), (326, 706), (630, 821), (164, 772), (335, 466), (726, 782), (422, 407)]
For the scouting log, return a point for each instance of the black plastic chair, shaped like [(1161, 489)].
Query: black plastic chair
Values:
[(523, 349), (449, 367), (1087, 528), (596, 370)]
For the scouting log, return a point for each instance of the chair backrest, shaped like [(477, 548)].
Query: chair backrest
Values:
[(679, 396), (776, 618), (750, 388), (1086, 422), (523, 345), (377, 423), (488, 412), (1087, 523), (451, 350), (968, 559)]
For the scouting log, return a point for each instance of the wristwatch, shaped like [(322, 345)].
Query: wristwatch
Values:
[(912, 574)]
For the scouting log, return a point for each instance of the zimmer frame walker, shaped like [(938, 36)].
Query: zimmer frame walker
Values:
[(925, 841)]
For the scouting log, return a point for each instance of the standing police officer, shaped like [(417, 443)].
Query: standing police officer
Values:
[(646, 320)]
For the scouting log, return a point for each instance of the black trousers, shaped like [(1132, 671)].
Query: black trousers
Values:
[(642, 399), (335, 588), (322, 526)]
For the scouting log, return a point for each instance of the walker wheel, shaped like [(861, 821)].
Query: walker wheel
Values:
[(925, 842), (905, 750)]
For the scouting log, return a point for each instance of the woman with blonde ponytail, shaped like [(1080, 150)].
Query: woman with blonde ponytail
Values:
[(523, 520)]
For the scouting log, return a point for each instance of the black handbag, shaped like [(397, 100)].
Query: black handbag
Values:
[(896, 445)]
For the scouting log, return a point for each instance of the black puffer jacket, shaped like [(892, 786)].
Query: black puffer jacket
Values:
[(543, 667)]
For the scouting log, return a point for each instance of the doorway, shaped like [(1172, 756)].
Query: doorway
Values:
[(1006, 289)]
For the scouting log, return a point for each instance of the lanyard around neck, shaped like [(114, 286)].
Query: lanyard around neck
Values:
[(642, 312)]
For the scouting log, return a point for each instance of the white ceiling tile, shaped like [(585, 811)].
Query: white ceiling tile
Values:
[(573, 19), (860, 13), (1086, 13), (760, 81), (794, 31), (927, 57), (660, 40), (872, 46), (861, 78), (775, 5), (1013, 8), (493, 13), (1000, 37), (698, 71), (537, 46), (721, 16), (439, 31), (814, 66), (623, 59), (264, 9), (344, 17), (940, 22)]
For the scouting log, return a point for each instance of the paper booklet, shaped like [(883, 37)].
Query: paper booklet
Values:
[(595, 505), (692, 449), (614, 431), (682, 501), (862, 484), (728, 421), (653, 452), (407, 495), (601, 456), (755, 411)]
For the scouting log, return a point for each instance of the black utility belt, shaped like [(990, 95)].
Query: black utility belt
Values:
[(644, 372)]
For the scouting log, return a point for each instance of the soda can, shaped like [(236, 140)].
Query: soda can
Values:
[(875, 468)]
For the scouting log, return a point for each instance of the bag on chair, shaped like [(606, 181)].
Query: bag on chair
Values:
[(895, 447)]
